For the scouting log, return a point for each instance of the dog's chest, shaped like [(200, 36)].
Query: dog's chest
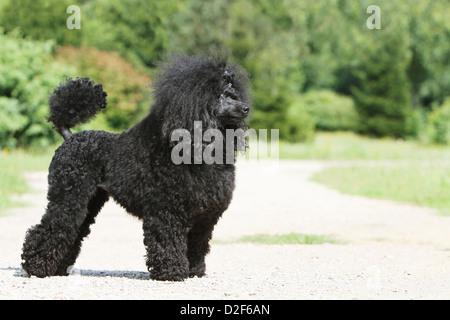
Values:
[(210, 189)]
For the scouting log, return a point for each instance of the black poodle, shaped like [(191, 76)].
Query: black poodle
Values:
[(179, 204)]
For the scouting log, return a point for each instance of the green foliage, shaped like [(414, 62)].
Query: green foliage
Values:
[(333, 112), (429, 69), (27, 75), (200, 26), (300, 124), (292, 46), (438, 129), (322, 42), (288, 47), (273, 89), (383, 99), (128, 97), (40, 20), (261, 38), (135, 28)]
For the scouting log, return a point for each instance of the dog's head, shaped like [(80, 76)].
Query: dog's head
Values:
[(232, 108), (211, 90)]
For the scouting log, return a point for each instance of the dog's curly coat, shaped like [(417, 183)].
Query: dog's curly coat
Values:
[(178, 204)]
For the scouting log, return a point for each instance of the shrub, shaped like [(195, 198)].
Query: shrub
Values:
[(300, 124), (438, 130), (27, 75), (333, 112), (128, 99)]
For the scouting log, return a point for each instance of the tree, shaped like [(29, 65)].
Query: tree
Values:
[(200, 26), (383, 99), (429, 68), (40, 20), (261, 39), (135, 28)]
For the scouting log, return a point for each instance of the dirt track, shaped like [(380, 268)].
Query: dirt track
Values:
[(389, 251)]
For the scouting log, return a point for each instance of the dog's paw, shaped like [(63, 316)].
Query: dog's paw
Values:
[(174, 275), (197, 271)]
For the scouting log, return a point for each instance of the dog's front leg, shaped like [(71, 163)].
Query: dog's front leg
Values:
[(165, 240), (198, 243)]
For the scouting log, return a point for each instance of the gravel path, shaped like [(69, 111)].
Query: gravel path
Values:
[(389, 250)]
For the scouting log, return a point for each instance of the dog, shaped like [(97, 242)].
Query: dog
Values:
[(178, 204)]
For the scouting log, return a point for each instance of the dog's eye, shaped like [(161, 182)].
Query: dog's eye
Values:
[(230, 92), (228, 76)]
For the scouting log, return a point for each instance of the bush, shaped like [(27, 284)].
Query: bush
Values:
[(332, 112), (27, 75), (438, 130), (128, 99), (300, 123)]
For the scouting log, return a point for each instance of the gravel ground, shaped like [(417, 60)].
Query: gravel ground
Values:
[(388, 250)]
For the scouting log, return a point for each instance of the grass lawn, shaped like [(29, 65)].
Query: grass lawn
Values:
[(12, 164), (350, 146), (423, 185), (418, 174), (290, 238)]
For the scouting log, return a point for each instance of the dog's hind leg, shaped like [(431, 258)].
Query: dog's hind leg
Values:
[(48, 243), (55, 241), (95, 205)]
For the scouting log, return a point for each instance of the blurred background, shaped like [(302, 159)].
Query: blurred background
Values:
[(334, 88)]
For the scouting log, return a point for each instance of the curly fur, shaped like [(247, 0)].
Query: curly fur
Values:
[(179, 205), (75, 102)]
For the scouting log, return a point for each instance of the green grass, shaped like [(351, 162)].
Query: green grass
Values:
[(291, 238), (416, 174), (12, 165), (419, 184), (350, 146)]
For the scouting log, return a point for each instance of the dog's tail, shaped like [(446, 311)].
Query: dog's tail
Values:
[(74, 102)]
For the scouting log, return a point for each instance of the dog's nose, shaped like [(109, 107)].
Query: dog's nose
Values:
[(246, 109)]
